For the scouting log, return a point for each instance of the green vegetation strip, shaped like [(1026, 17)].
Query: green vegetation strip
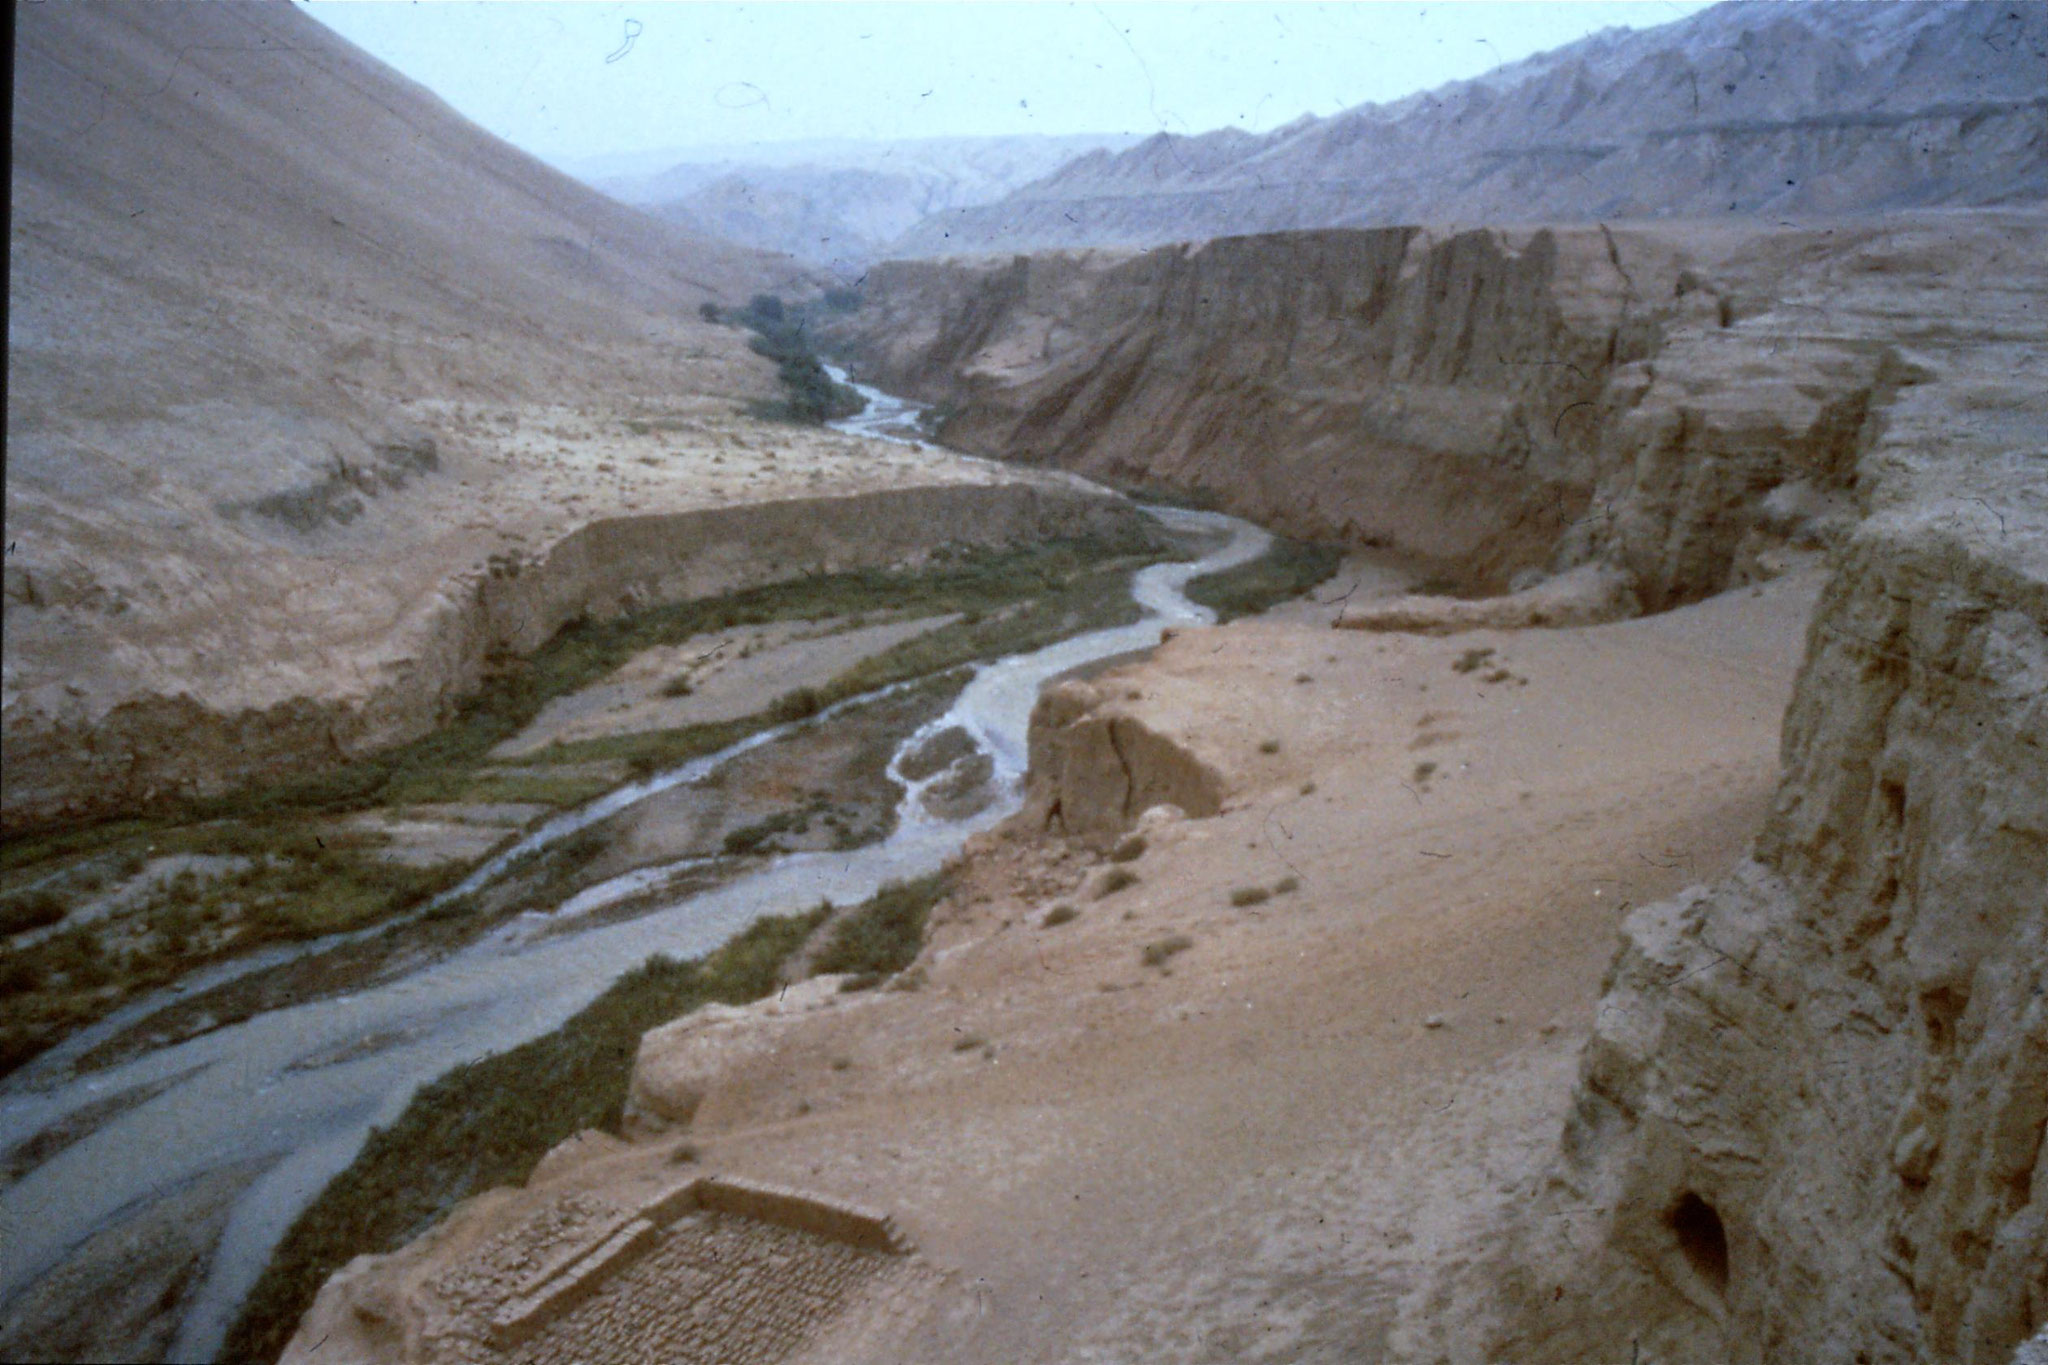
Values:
[(304, 878), (1288, 569), (883, 936), (781, 333), (488, 1123)]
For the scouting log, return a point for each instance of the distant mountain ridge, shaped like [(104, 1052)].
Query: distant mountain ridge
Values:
[(839, 202), (1754, 107)]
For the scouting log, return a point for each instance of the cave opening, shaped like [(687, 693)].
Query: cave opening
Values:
[(1701, 1237)]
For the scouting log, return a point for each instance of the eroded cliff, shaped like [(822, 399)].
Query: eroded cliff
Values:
[(71, 761), (1503, 403), (1814, 1104)]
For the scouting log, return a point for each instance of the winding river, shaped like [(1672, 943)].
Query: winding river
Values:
[(300, 1088)]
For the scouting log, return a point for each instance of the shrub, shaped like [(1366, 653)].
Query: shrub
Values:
[(801, 704), (1423, 771), (1249, 895), (31, 910), (1269, 746), (678, 686), (1117, 880), (1129, 849), (883, 934), (1060, 914), (1472, 660), (1159, 953), (1287, 886)]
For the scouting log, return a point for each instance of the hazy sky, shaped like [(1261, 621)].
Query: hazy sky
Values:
[(571, 81)]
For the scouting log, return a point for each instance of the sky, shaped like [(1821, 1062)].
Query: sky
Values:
[(572, 83)]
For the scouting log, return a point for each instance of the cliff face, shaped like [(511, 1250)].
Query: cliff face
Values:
[(150, 748), (1809, 1125), (1778, 110), (1494, 401), (1816, 1095)]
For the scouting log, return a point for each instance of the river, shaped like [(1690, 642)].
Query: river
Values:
[(270, 1088)]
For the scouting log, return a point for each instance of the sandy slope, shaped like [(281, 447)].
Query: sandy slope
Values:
[(298, 360), (1256, 1151)]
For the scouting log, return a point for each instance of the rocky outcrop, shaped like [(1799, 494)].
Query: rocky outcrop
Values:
[(1095, 768), (1583, 597), (1810, 1123), (1782, 111), (153, 749)]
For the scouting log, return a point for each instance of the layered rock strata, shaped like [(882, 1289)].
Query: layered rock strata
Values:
[(1769, 109), (1815, 1100)]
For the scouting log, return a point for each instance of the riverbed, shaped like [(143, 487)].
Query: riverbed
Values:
[(295, 1091)]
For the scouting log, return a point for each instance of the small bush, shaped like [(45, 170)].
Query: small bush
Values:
[(1472, 660), (1423, 771), (1117, 880), (1129, 849), (1269, 746), (1060, 914), (1158, 954), (31, 910), (1287, 886), (19, 975), (801, 704), (969, 1042), (883, 934), (1249, 895), (678, 686)]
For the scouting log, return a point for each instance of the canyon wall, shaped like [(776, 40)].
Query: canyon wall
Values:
[(1815, 1099), (1493, 401), (152, 748), (1809, 1124)]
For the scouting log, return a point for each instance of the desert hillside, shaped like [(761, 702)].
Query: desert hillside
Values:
[(300, 365), (1781, 111)]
